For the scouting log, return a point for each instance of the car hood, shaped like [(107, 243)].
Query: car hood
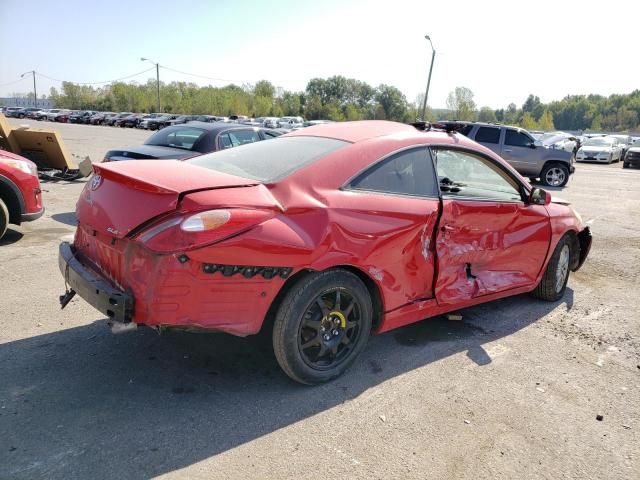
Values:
[(559, 200), (149, 152), (634, 149)]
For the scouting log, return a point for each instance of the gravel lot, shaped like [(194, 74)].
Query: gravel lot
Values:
[(512, 391)]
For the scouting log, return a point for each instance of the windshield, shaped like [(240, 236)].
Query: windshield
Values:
[(598, 142), (184, 137), (269, 161)]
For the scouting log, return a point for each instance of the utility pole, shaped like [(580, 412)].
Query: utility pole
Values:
[(157, 79), (35, 93), (426, 95)]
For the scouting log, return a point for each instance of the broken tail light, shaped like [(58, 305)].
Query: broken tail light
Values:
[(195, 230)]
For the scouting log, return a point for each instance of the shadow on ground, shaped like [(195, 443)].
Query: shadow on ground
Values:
[(68, 218), (11, 236), (81, 403)]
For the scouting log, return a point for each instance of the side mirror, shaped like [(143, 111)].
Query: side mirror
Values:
[(539, 196), (535, 144)]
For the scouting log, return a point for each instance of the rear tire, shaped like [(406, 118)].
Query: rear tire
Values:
[(554, 175), (322, 326), (554, 281), (4, 218)]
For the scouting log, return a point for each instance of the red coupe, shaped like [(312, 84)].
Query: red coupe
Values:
[(322, 235)]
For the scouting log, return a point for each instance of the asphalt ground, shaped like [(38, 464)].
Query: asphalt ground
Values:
[(511, 391)]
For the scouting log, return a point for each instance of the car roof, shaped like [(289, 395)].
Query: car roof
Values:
[(215, 127), (355, 131)]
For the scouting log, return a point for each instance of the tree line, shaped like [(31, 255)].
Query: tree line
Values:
[(620, 113), (339, 98), (335, 98)]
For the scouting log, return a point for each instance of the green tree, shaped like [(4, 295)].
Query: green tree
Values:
[(392, 101), (528, 122), (546, 122), (534, 106), (460, 102), (511, 114), (486, 114), (264, 88)]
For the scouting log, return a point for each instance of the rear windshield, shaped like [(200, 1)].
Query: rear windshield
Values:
[(184, 137), (271, 160)]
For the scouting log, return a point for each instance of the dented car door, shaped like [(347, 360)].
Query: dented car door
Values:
[(488, 240)]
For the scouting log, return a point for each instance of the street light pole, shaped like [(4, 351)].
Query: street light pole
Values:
[(426, 95), (157, 78), (35, 93)]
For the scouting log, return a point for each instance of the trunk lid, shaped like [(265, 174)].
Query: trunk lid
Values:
[(120, 196)]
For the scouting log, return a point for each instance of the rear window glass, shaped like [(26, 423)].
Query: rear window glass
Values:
[(269, 161), (184, 137), (488, 135)]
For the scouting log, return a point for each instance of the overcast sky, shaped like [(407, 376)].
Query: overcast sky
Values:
[(502, 51)]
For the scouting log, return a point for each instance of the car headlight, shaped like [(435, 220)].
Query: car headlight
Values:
[(27, 167)]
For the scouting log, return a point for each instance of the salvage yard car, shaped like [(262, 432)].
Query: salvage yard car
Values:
[(600, 149), (20, 194), (332, 231), (632, 156), (524, 153), (193, 138)]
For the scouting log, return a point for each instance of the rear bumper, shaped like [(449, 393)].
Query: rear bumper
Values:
[(94, 289), (30, 217)]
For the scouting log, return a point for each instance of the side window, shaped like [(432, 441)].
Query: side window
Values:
[(406, 173), (225, 141), (516, 139), (488, 135), (463, 174), (235, 138)]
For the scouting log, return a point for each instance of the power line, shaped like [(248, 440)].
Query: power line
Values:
[(11, 83), (203, 76), (95, 83)]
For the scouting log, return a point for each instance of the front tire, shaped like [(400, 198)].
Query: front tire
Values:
[(554, 281), (322, 326), (554, 175), (4, 218)]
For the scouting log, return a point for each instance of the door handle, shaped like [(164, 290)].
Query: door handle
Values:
[(507, 150), (447, 228)]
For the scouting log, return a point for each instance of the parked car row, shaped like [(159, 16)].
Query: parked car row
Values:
[(151, 121)]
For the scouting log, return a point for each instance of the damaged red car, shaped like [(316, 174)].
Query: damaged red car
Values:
[(323, 236)]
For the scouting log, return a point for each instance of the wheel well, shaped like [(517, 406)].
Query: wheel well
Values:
[(374, 291), (548, 163), (12, 202), (574, 249)]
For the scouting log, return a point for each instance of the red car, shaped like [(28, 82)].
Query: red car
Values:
[(331, 231), (20, 194)]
